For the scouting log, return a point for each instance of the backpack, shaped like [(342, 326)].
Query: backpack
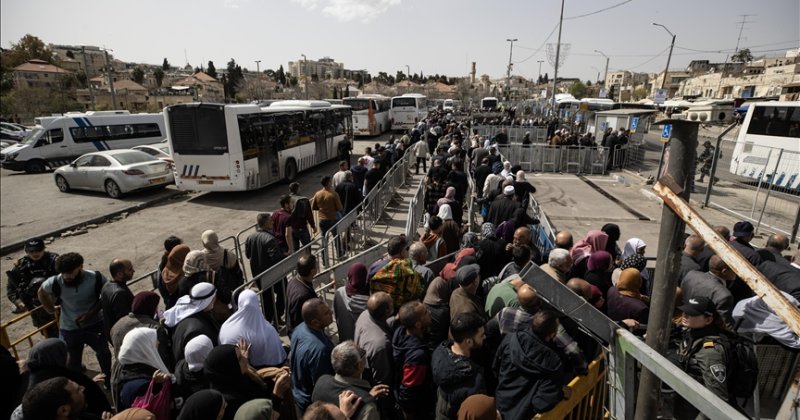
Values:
[(226, 279), (301, 206), (98, 286), (742, 365)]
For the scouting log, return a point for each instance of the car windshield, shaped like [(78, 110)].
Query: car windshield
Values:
[(133, 156), (32, 136)]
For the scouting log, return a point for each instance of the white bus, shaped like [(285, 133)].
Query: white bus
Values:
[(245, 147), (370, 114), (489, 103), (767, 128), (58, 140), (408, 110)]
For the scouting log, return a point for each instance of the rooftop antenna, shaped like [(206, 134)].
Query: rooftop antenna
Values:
[(741, 29)]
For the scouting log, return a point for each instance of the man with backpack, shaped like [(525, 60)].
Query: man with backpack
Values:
[(77, 291)]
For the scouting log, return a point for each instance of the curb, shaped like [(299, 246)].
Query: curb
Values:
[(15, 246)]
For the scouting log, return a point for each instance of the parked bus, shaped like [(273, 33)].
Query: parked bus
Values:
[(489, 103), (58, 140), (245, 147), (407, 110), (767, 128), (370, 114)]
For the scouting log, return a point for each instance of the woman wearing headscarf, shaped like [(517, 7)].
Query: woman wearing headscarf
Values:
[(599, 271), (189, 376), (248, 324), (215, 254), (449, 270), (492, 256), (191, 316), (612, 248), (437, 300), (432, 238), (523, 188), (134, 413), (229, 372), (195, 270), (456, 211), (506, 229), (635, 249), (595, 240), (207, 404), (172, 274), (258, 409), (634, 261), (478, 407), (451, 230), (140, 362), (47, 359), (624, 300), (350, 300)]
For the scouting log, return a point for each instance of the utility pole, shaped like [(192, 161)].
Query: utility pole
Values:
[(258, 77), (305, 72), (540, 66), (663, 83), (88, 82), (558, 57), (670, 244), (605, 74), (508, 70), (110, 70)]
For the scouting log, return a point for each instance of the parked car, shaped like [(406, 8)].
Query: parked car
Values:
[(11, 131), (157, 150), (116, 172), (7, 142)]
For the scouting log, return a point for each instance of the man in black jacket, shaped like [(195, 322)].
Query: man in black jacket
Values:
[(481, 172), (263, 251), (456, 375), (348, 193), (115, 296), (25, 278)]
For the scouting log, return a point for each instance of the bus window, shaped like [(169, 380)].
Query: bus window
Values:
[(774, 121)]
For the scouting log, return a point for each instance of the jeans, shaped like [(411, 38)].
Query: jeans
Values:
[(95, 337), (424, 162), (325, 226), (300, 237)]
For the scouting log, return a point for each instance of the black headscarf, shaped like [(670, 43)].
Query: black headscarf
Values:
[(224, 375), (614, 234), (203, 405)]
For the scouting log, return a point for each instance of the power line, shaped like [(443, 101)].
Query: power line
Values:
[(598, 11)]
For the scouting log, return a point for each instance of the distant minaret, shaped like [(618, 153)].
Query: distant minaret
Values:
[(472, 74)]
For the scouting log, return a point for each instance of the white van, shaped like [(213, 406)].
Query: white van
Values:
[(58, 140)]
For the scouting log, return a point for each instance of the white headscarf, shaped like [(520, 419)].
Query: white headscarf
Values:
[(196, 351), (759, 318), (214, 253), (445, 212), (632, 247), (140, 345), (201, 296), (248, 323)]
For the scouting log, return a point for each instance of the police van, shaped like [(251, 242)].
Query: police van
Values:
[(58, 140)]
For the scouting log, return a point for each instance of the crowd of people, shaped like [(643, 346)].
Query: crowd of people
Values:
[(471, 341)]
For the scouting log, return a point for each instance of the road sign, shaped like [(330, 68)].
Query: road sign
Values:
[(603, 93), (634, 124), (661, 96), (584, 106), (666, 133)]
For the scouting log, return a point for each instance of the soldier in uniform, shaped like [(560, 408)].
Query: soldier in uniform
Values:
[(24, 279), (705, 158)]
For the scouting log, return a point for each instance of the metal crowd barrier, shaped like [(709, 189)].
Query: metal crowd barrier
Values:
[(543, 235), (5, 339), (515, 133), (588, 395), (416, 210), (557, 159)]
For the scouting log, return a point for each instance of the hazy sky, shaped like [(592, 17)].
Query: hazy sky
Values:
[(434, 36)]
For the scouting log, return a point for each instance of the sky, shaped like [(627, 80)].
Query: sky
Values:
[(431, 36)]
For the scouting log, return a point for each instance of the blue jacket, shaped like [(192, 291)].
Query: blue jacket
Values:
[(310, 359)]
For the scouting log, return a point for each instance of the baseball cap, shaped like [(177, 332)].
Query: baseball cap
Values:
[(743, 229), (698, 306), (34, 244)]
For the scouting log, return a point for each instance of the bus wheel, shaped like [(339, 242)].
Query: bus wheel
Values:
[(35, 167), (291, 170)]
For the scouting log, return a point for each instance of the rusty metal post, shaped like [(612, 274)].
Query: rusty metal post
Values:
[(683, 146)]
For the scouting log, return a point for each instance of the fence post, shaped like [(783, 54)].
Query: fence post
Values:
[(769, 189), (758, 188), (683, 146), (714, 162)]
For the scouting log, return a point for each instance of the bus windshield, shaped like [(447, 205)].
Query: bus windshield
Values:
[(199, 130), (412, 102)]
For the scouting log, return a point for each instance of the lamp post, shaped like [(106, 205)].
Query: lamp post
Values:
[(508, 71), (663, 83), (540, 66), (305, 72), (258, 77), (605, 74), (558, 57)]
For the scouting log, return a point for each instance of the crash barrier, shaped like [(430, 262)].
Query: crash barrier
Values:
[(629, 156), (588, 395), (515, 133), (761, 186), (563, 159), (27, 338)]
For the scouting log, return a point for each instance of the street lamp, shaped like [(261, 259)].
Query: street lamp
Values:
[(605, 74), (540, 67), (669, 57), (508, 71), (305, 72), (258, 77)]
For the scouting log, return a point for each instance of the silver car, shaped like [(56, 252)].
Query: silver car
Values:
[(114, 171)]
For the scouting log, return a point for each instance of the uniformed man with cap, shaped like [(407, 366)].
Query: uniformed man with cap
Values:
[(25, 278), (706, 158)]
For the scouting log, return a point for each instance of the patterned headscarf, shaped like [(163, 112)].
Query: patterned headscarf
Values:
[(487, 230), (469, 240), (634, 261)]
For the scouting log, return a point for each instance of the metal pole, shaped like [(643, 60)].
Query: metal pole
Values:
[(758, 188), (795, 224), (305, 72), (670, 243), (258, 77), (540, 66), (558, 55), (508, 70), (110, 82), (88, 82), (769, 189), (714, 163), (663, 83)]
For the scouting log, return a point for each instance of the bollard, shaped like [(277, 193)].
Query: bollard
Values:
[(683, 145)]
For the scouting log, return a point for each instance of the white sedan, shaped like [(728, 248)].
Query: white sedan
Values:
[(116, 172), (157, 150)]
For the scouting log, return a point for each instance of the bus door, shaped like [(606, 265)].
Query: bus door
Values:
[(317, 132), (268, 165)]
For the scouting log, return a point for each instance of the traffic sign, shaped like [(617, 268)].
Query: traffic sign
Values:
[(666, 133), (661, 96), (634, 124), (603, 93)]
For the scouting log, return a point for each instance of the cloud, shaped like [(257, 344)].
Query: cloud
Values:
[(234, 4), (349, 10)]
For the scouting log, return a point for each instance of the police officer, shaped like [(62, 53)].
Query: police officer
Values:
[(706, 158), (25, 278), (702, 353)]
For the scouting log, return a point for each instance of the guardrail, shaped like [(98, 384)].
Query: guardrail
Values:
[(515, 133), (5, 340), (588, 395), (565, 159)]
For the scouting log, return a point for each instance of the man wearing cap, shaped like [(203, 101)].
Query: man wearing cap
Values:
[(25, 278), (463, 299), (742, 235), (701, 353), (712, 285), (503, 207)]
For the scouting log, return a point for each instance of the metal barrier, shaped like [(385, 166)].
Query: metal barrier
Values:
[(5, 340), (588, 395), (562, 159), (515, 133), (416, 210), (542, 234)]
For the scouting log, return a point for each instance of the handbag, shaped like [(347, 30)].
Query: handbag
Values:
[(159, 404)]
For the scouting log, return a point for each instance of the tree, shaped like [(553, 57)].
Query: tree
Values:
[(280, 76), (158, 74), (137, 75), (270, 74), (235, 76), (639, 93), (28, 48), (212, 71), (588, 83), (69, 54), (165, 65), (546, 79), (578, 90), (400, 76), (742, 56)]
